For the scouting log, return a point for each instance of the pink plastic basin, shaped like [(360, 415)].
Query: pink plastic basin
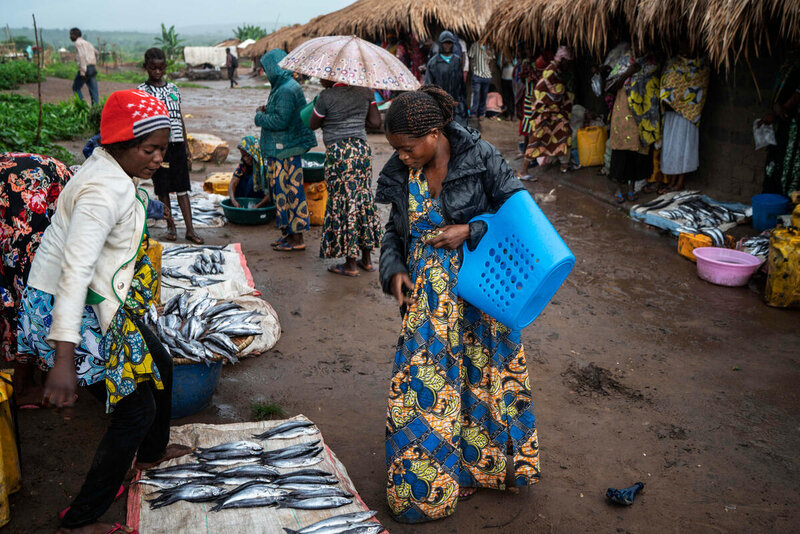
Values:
[(724, 266)]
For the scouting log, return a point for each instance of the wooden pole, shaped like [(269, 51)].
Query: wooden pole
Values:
[(38, 78)]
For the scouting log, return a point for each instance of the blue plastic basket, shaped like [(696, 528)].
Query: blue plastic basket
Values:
[(193, 386), (518, 265)]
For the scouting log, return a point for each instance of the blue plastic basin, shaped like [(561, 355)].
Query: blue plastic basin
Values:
[(766, 208), (193, 386)]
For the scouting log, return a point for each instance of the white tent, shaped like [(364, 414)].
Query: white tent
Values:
[(246, 43)]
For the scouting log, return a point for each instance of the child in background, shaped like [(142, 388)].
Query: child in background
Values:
[(249, 178), (173, 176)]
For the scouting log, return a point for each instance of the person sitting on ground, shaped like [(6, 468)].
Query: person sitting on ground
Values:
[(351, 227), (249, 178), (173, 175), (29, 188), (445, 435), (284, 139), (90, 285)]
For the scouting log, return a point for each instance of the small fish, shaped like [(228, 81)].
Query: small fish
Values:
[(251, 471), (284, 427), (165, 483), (292, 451), (190, 474), (306, 479), (226, 462), (250, 446), (309, 472), (238, 481), (335, 521), (296, 433), (177, 467), (291, 463), (183, 304), (248, 492), (248, 503), (189, 493), (316, 503), (221, 341), (309, 493), (241, 329), (219, 308)]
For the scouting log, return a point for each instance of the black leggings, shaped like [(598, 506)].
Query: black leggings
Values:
[(139, 422)]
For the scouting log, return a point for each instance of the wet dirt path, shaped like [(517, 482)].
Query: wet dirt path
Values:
[(640, 372)]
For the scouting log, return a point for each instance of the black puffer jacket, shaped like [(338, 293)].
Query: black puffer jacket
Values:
[(478, 181)]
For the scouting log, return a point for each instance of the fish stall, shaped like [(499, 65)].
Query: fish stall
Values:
[(220, 271), (206, 211), (272, 477)]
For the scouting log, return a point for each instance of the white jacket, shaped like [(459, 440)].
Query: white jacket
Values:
[(91, 243)]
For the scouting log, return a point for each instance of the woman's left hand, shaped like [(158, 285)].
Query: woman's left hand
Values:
[(450, 237), (262, 109)]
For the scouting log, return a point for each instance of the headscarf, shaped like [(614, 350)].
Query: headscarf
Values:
[(684, 86), (250, 144)]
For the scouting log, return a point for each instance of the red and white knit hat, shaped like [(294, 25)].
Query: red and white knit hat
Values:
[(130, 114)]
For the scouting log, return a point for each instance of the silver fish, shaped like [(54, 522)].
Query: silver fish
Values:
[(297, 432), (290, 463), (335, 521), (301, 492), (368, 528), (238, 481), (283, 427), (250, 446), (316, 503), (189, 493), (221, 341), (183, 303), (190, 474), (306, 479), (225, 462), (248, 492), (251, 471), (222, 307), (309, 472), (163, 483), (292, 451), (176, 467)]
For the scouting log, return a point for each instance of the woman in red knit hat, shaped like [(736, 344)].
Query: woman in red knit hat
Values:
[(88, 290)]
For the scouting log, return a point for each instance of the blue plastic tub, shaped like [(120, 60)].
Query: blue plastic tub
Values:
[(193, 386), (518, 266), (766, 208)]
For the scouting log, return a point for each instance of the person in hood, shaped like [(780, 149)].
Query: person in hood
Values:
[(284, 139), (444, 70), (460, 399)]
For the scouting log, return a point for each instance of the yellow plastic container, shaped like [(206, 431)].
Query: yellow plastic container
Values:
[(217, 183), (688, 242), (9, 463), (592, 145), (317, 199), (796, 216), (783, 280), (154, 249)]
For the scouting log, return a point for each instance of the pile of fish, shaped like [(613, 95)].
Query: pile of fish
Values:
[(204, 210), (695, 215), (205, 264), (249, 477), (757, 246), (200, 328)]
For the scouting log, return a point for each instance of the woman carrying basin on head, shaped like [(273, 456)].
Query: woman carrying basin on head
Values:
[(351, 227), (88, 289), (460, 396)]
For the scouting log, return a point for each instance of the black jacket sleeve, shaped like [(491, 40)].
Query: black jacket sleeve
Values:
[(499, 183), (393, 259)]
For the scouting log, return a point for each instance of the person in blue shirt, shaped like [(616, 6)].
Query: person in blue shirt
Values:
[(249, 179)]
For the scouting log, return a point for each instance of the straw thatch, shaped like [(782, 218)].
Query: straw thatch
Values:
[(228, 43), (287, 38), (370, 19), (723, 29)]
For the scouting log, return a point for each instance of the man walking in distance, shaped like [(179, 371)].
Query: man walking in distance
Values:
[(231, 63), (87, 70)]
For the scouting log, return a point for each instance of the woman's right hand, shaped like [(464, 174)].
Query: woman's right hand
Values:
[(398, 283), (234, 203), (62, 380)]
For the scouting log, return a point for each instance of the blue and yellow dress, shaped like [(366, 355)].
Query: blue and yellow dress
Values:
[(460, 397)]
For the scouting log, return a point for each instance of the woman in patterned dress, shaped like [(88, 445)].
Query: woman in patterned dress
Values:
[(29, 188), (351, 227), (460, 396)]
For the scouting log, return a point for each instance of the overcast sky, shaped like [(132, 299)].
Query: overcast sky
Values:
[(147, 15)]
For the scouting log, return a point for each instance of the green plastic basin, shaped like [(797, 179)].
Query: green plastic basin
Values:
[(247, 214), (313, 167)]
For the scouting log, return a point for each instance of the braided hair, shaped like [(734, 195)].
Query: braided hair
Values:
[(418, 113)]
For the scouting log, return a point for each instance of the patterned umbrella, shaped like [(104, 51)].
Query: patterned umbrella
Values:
[(350, 60)]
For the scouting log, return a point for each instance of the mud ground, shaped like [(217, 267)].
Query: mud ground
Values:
[(641, 372)]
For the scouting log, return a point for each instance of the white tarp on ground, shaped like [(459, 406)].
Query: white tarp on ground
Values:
[(197, 55), (197, 517), (236, 280)]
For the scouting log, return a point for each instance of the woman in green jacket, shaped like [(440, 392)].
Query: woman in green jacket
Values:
[(284, 138)]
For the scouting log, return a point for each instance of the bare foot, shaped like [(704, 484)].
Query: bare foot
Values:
[(173, 451), (97, 528), (466, 493)]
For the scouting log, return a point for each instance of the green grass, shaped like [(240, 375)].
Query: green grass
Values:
[(19, 117), (15, 73), (191, 85), (266, 410)]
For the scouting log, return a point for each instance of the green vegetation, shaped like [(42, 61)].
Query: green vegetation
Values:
[(170, 43), (266, 410), (190, 85), (15, 73), (65, 71), (19, 117), (249, 31)]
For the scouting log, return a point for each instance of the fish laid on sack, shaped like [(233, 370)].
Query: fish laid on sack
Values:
[(288, 428), (344, 520), (189, 493), (315, 503)]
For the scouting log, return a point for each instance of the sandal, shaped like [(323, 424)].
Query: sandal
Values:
[(194, 238), (120, 491), (285, 247), (171, 235), (633, 196), (650, 187), (339, 269), (619, 198), (278, 241), (370, 268)]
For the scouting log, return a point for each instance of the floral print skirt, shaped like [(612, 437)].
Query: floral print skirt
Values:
[(351, 221)]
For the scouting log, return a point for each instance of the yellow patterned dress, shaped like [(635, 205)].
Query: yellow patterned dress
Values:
[(460, 397)]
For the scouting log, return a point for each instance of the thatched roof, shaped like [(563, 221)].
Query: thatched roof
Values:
[(724, 29), (371, 19), (287, 37), (228, 43)]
